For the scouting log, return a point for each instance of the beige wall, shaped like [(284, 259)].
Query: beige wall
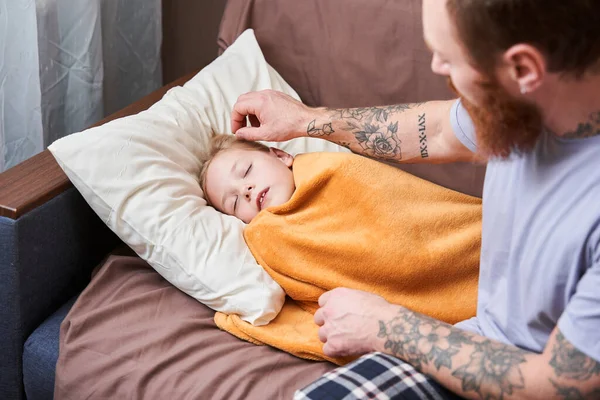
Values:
[(190, 29)]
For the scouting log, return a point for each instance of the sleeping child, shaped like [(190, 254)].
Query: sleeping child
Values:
[(319, 221), (241, 178)]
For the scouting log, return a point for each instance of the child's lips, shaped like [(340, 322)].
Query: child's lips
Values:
[(260, 198)]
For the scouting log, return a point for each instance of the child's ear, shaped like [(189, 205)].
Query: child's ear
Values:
[(284, 157)]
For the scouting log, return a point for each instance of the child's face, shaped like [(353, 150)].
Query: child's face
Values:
[(241, 182)]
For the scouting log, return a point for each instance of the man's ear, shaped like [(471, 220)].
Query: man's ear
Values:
[(284, 157), (526, 66)]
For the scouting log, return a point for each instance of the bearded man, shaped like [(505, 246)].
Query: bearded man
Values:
[(528, 76)]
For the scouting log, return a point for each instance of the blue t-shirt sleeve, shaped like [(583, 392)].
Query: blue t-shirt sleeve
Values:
[(580, 322), (471, 325), (463, 126)]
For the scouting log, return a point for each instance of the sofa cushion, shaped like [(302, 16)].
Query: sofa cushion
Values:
[(40, 354)]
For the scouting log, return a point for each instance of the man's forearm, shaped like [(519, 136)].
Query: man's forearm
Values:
[(400, 133), (477, 367)]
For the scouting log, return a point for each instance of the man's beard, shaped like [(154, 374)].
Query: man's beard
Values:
[(502, 123)]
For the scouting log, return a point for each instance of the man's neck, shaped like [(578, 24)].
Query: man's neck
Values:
[(571, 107)]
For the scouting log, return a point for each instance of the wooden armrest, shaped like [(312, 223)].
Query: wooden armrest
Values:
[(39, 178)]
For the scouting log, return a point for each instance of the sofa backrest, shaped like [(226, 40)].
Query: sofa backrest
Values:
[(342, 53), (350, 53)]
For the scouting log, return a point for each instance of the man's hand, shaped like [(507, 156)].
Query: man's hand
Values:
[(274, 116), (349, 321), (475, 367)]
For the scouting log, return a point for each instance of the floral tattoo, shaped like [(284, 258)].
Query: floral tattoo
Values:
[(493, 369), (374, 133), (570, 363), (493, 366), (420, 342), (380, 141)]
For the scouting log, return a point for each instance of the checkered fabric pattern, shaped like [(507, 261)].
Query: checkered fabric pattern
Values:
[(374, 376)]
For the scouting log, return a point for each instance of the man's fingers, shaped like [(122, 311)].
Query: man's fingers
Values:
[(323, 334), (246, 96), (241, 109), (238, 121), (319, 318), (323, 298), (328, 350), (249, 133)]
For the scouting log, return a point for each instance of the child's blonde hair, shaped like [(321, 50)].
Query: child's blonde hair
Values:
[(218, 144)]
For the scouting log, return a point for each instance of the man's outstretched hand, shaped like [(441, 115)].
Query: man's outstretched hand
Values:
[(274, 116), (349, 321)]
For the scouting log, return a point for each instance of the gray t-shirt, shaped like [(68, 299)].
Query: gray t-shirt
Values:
[(540, 251)]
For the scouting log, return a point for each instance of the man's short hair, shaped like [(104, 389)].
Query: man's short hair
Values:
[(218, 144), (566, 32)]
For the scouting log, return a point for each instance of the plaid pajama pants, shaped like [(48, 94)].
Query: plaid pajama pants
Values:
[(374, 376)]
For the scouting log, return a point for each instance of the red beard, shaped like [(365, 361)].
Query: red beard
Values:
[(502, 123)]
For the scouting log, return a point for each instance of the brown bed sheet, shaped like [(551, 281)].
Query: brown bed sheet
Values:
[(132, 335)]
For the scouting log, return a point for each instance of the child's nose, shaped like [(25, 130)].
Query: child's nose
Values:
[(248, 191)]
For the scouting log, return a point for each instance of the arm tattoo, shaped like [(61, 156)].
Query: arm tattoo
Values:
[(573, 393), (420, 341), (312, 130), (493, 369), (587, 129), (375, 135), (570, 363), (422, 136)]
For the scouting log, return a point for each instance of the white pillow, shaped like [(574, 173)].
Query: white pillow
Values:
[(140, 175)]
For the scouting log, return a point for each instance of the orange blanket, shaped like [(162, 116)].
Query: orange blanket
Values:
[(359, 223)]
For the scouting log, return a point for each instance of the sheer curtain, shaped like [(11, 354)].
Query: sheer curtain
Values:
[(65, 64)]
